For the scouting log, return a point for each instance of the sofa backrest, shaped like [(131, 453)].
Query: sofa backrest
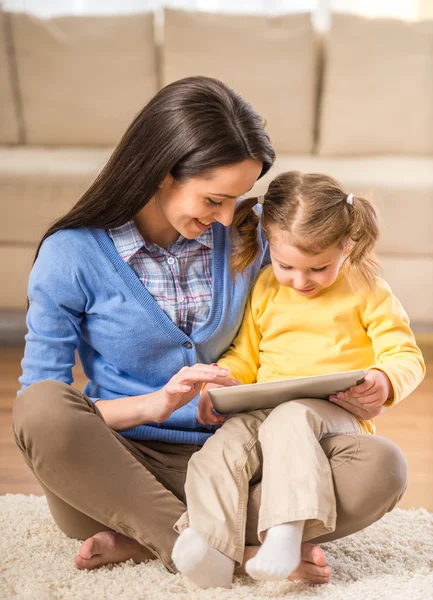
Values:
[(271, 61), (82, 79), (378, 87)]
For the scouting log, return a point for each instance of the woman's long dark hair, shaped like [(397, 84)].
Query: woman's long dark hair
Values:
[(189, 127)]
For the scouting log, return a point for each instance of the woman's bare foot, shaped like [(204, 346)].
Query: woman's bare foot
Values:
[(313, 567), (110, 547)]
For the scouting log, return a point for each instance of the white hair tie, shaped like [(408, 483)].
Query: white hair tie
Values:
[(350, 199), (261, 199)]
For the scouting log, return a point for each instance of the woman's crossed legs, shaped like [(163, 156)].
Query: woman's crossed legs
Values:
[(125, 497)]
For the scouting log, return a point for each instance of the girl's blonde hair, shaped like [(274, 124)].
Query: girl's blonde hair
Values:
[(314, 209)]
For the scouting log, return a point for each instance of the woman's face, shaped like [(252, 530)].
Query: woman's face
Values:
[(192, 206)]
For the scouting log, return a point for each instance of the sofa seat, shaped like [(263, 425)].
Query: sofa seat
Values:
[(39, 184)]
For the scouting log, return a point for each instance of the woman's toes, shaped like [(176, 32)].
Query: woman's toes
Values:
[(313, 554), (318, 557), (88, 564)]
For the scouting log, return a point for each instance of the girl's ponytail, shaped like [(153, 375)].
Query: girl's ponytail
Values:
[(364, 235), (244, 235)]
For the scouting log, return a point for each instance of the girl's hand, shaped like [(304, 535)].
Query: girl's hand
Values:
[(366, 400), (205, 414), (184, 386)]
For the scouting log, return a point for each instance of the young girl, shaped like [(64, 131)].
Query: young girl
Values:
[(318, 308)]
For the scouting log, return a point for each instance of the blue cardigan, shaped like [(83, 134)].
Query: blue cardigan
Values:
[(84, 296)]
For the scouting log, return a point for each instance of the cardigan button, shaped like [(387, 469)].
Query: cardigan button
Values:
[(188, 345)]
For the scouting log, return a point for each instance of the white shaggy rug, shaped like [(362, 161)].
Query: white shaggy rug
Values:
[(392, 560)]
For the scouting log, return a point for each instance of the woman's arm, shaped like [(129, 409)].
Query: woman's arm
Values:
[(125, 413), (129, 412), (57, 306), (57, 303)]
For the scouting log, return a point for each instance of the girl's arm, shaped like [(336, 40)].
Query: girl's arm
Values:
[(398, 367), (396, 352), (242, 358)]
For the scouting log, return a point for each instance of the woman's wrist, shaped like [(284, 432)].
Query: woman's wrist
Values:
[(125, 413), (153, 408)]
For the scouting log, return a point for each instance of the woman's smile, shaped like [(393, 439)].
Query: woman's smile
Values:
[(202, 224)]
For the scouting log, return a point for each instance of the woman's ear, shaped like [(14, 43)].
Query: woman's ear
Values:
[(166, 182)]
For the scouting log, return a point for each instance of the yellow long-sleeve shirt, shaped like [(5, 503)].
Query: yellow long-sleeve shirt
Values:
[(284, 334)]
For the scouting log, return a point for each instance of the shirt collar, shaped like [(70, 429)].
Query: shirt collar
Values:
[(206, 238), (128, 241)]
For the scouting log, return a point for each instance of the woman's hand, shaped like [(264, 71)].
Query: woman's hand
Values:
[(183, 387), (366, 400), (156, 407)]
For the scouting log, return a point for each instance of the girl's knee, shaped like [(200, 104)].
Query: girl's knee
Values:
[(290, 414)]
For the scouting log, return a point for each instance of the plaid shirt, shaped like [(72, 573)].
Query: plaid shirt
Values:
[(179, 278)]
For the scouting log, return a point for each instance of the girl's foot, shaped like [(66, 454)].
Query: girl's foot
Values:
[(312, 568), (280, 553), (195, 558), (110, 547)]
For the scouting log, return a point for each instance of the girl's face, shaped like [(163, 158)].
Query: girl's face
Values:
[(191, 207), (306, 274)]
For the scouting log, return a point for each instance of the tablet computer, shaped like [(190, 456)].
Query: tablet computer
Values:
[(254, 396)]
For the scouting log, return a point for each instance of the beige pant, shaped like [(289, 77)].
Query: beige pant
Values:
[(96, 480), (297, 483)]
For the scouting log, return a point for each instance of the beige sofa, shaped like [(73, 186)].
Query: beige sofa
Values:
[(356, 103)]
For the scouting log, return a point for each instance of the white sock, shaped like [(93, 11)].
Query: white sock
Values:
[(280, 553), (200, 562)]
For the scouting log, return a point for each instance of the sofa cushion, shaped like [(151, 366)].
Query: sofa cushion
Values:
[(38, 185), (82, 79), (378, 87), (9, 129), (268, 60), (400, 187)]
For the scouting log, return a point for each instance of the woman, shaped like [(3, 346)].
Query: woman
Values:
[(136, 277)]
